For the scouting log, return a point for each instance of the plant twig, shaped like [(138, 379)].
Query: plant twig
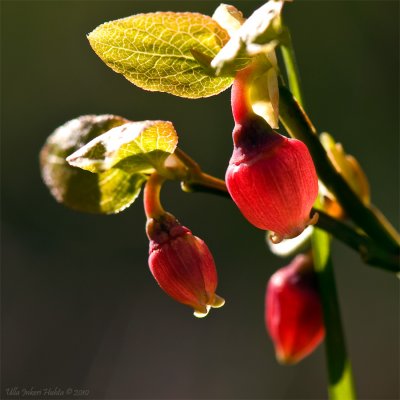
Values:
[(369, 251), (299, 126), (151, 197), (196, 180), (289, 60), (341, 384)]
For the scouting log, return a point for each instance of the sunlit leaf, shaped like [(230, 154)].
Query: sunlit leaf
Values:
[(105, 193), (135, 147), (153, 51)]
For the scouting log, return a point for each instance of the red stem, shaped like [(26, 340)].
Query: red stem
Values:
[(151, 196), (241, 107)]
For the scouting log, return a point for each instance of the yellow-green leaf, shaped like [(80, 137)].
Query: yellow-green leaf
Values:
[(135, 147), (105, 193), (154, 51)]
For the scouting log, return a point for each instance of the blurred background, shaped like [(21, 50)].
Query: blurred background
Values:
[(80, 308)]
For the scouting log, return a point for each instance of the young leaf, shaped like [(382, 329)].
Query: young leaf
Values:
[(105, 193), (258, 34), (229, 17), (153, 51), (135, 147)]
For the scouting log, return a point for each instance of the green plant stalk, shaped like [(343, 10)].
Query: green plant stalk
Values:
[(341, 384), (299, 126), (291, 66), (369, 251), (198, 181)]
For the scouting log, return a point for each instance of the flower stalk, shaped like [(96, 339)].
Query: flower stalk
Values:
[(341, 384), (180, 262), (198, 181), (371, 253), (151, 196), (297, 123), (289, 60)]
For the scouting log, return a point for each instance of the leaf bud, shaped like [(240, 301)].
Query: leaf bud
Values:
[(293, 311), (182, 264), (351, 171)]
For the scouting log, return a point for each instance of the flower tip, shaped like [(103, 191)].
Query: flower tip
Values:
[(218, 302), (285, 359), (276, 238), (201, 311)]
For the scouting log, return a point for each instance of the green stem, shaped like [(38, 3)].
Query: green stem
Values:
[(299, 126), (196, 180), (192, 165), (341, 385), (385, 222), (206, 183), (291, 66), (369, 251)]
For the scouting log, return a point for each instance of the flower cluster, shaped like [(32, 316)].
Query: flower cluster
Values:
[(273, 181)]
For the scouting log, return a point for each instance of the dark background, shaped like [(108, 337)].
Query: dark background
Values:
[(79, 306)]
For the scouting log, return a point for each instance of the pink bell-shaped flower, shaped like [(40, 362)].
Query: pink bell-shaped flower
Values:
[(182, 264), (271, 178), (293, 311)]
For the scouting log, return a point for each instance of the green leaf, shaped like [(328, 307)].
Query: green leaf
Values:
[(135, 147), (259, 34), (154, 51), (105, 193)]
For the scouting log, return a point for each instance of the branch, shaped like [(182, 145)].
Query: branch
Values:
[(369, 251), (299, 126), (340, 377), (289, 60)]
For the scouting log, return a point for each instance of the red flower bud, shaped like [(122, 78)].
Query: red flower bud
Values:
[(272, 179), (293, 311), (182, 264)]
